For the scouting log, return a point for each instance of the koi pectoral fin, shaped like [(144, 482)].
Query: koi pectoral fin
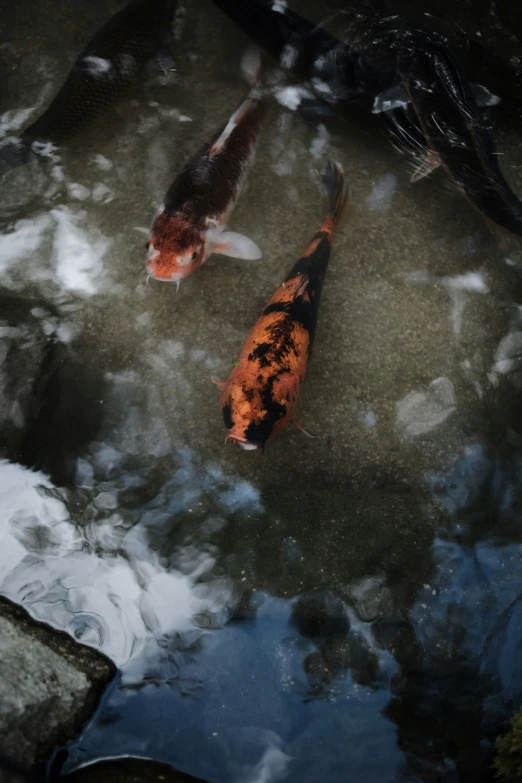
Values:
[(394, 97), (483, 96), (428, 164), (236, 245), (218, 382), (300, 427)]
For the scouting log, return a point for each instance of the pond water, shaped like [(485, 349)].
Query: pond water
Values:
[(341, 608)]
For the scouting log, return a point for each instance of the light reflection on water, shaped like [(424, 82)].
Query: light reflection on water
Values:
[(351, 603), (303, 685)]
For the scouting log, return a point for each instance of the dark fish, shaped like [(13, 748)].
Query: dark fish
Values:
[(341, 75), (109, 64), (201, 199), (447, 108), (337, 73), (260, 396)]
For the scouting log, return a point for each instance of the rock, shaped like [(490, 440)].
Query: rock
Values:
[(370, 597), (49, 687), (319, 615), (129, 770), (398, 636)]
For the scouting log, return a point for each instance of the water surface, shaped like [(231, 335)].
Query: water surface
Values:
[(346, 607)]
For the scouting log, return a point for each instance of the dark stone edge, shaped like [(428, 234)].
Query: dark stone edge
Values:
[(98, 668)]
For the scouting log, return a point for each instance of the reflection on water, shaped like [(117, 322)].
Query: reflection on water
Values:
[(349, 605)]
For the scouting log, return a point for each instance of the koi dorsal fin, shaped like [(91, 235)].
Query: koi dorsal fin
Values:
[(230, 126)]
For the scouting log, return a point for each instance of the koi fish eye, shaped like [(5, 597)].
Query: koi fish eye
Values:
[(188, 259)]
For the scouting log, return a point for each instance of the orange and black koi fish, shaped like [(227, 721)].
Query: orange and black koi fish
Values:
[(201, 199), (107, 66), (260, 396)]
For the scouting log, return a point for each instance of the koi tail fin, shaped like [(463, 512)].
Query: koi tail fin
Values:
[(251, 67), (338, 192), (12, 155)]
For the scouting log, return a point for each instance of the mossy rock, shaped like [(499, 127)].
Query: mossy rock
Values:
[(508, 761)]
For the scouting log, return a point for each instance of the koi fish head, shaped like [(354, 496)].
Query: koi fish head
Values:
[(175, 249), (251, 413), (240, 414)]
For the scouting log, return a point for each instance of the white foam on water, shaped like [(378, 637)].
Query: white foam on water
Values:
[(471, 281), (22, 243), (13, 120), (21, 499), (457, 288), (78, 257), (290, 97), (97, 66), (242, 496), (116, 601), (420, 412), (321, 142), (273, 764), (289, 56), (382, 192), (101, 192), (508, 359), (102, 162), (77, 191), (370, 418), (323, 88), (279, 6)]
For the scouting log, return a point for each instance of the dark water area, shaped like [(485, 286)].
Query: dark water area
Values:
[(341, 608)]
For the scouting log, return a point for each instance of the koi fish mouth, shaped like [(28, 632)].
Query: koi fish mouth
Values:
[(175, 277), (243, 443)]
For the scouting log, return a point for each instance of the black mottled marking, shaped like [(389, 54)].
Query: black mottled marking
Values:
[(314, 266), (261, 355), (281, 334), (259, 431), (277, 307), (227, 416), (207, 183)]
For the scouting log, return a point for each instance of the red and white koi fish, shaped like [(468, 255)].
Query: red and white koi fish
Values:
[(200, 201)]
